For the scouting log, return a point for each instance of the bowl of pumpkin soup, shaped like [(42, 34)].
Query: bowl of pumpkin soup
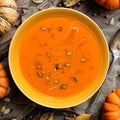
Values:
[(58, 58)]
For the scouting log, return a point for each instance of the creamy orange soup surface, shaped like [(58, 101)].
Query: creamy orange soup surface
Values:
[(59, 56)]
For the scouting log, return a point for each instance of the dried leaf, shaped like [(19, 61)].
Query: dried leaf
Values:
[(51, 116), (69, 3), (83, 117), (37, 117), (47, 116)]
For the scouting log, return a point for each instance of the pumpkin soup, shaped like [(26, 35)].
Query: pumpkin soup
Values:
[(59, 56)]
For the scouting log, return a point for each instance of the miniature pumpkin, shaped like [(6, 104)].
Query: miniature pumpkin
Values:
[(4, 81), (109, 4), (8, 14), (111, 106)]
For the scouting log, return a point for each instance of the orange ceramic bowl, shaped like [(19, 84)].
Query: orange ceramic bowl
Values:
[(39, 97)]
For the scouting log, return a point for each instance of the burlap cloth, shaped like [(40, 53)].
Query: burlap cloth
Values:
[(21, 106)]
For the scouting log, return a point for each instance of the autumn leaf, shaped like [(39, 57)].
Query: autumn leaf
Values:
[(47, 116), (80, 117), (51, 117), (69, 3), (83, 117)]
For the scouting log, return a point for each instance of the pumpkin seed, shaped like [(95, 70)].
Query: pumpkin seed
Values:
[(82, 59), (43, 28), (75, 79), (58, 66), (40, 74), (47, 78), (67, 65), (7, 111), (7, 100), (69, 3), (13, 119), (69, 53), (112, 21), (118, 46), (59, 28), (39, 66), (37, 1), (63, 86), (48, 54), (56, 81), (75, 29)]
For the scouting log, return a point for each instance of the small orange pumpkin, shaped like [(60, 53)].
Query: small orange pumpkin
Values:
[(4, 81), (111, 106), (109, 4)]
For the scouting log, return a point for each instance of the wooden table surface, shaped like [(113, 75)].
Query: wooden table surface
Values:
[(22, 108)]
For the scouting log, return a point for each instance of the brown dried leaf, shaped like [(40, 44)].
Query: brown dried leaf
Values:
[(83, 117), (47, 116), (37, 117), (69, 3), (51, 116)]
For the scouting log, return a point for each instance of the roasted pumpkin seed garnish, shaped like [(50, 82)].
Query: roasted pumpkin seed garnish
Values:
[(67, 65), (40, 74), (39, 66), (47, 78), (58, 66), (82, 59), (56, 81), (68, 53), (75, 79), (76, 29), (48, 54), (59, 28), (63, 86), (43, 28)]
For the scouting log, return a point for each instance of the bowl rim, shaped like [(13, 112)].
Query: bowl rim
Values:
[(50, 9)]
